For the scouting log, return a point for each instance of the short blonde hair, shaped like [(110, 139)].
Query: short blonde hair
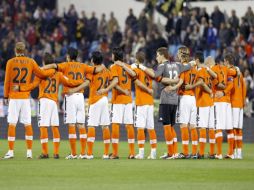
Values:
[(20, 47)]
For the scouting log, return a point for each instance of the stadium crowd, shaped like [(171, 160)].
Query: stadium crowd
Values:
[(44, 30)]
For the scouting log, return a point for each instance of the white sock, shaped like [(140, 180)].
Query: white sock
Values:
[(10, 152), (141, 151)]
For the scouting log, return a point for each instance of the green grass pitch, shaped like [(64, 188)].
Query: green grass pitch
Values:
[(20, 173)]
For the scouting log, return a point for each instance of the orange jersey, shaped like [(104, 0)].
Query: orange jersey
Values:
[(188, 77), (142, 97), (75, 71), (238, 93), (203, 99), (48, 88), (124, 81), (97, 82), (225, 77), (19, 71)]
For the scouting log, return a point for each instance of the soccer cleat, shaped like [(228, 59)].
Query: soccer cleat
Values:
[(82, 156), (89, 157), (43, 156), (219, 157), (56, 156), (105, 157), (211, 156), (131, 157), (8, 156), (182, 156), (229, 156), (170, 157), (151, 157), (201, 156), (113, 157), (164, 156), (139, 157), (71, 157), (194, 156)]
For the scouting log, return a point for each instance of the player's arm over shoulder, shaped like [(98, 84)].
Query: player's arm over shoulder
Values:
[(40, 72)]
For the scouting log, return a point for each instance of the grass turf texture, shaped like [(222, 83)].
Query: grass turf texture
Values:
[(20, 173)]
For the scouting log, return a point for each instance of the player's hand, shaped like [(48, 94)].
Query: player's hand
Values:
[(192, 63), (120, 63), (150, 91), (71, 91), (101, 91), (238, 72), (221, 86), (219, 94), (188, 87), (134, 66), (6, 101), (127, 92), (211, 95), (169, 89), (15, 88)]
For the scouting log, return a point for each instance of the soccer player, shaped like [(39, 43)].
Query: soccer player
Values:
[(144, 108), (98, 106), (19, 72), (223, 110), (74, 104), (47, 106), (122, 111), (168, 99), (187, 111), (238, 96)]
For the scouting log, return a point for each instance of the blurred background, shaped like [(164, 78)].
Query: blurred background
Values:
[(54, 25)]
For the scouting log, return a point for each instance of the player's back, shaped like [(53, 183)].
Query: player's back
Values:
[(188, 77), (203, 98), (74, 71), (238, 92), (143, 97), (124, 81), (19, 71), (98, 81)]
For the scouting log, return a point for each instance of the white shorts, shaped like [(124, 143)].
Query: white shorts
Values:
[(47, 113), (223, 116), (19, 110), (74, 109), (237, 118), (144, 117), (122, 113), (99, 113), (187, 110), (205, 117)]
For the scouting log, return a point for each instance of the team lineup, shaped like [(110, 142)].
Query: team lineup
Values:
[(201, 96)]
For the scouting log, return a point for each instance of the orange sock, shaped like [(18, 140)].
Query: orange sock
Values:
[(44, 139), (106, 139), (202, 141), (185, 139), (169, 139), (72, 139), (11, 136), (141, 138), (231, 139), (153, 138), (194, 140), (115, 138), (131, 138), (219, 140), (239, 138), (175, 145), (212, 141), (82, 138), (90, 140), (56, 139), (29, 136)]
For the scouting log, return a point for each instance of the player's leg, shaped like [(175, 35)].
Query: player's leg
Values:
[(117, 118), (211, 133), (70, 119), (55, 129), (90, 141), (219, 126), (82, 139), (152, 133), (238, 125), (173, 109), (140, 124), (230, 132), (193, 129), (12, 118), (128, 121), (25, 118), (105, 122)]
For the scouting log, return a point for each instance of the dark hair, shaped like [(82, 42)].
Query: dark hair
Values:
[(73, 53), (163, 51), (140, 56), (48, 58), (230, 58), (118, 54), (97, 57), (200, 56)]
